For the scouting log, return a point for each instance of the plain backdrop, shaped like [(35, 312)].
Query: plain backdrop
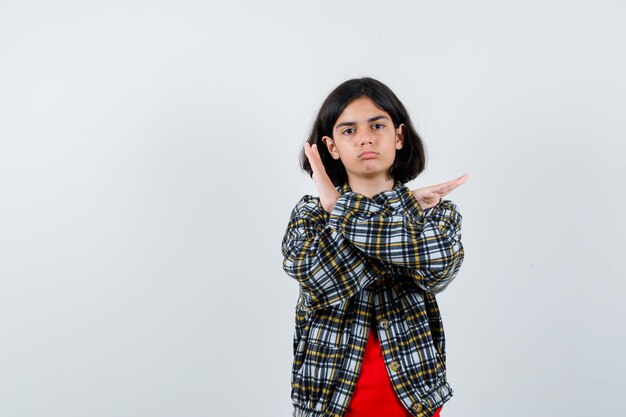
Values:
[(149, 164)]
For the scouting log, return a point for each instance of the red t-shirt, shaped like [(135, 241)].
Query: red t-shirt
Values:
[(374, 395)]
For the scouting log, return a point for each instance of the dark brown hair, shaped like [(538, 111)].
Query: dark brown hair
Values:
[(410, 161)]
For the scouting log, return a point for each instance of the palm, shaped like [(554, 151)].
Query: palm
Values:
[(429, 196), (325, 187)]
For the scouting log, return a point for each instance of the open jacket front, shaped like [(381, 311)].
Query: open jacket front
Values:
[(383, 256)]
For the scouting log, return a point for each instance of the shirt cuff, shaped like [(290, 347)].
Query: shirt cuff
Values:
[(405, 201)]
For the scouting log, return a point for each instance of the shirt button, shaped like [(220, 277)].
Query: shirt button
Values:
[(384, 323), (417, 407), (395, 366)]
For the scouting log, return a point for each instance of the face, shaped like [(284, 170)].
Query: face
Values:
[(365, 139)]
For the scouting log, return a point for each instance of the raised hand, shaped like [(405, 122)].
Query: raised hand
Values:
[(325, 187), (429, 196)]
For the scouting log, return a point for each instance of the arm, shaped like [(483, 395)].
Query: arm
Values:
[(327, 266), (423, 244)]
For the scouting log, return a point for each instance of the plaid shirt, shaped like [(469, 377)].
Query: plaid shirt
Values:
[(374, 260)]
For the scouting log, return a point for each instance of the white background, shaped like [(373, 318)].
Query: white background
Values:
[(148, 166)]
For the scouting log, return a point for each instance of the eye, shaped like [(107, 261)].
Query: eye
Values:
[(350, 128), (379, 124)]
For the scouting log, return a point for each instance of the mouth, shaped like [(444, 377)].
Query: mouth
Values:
[(368, 154)]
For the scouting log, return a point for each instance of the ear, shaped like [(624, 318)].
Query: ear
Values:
[(330, 145), (400, 136)]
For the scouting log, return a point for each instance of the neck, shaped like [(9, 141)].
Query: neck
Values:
[(369, 187)]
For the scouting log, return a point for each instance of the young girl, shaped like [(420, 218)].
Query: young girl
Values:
[(369, 256)]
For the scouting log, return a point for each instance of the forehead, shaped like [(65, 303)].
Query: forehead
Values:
[(359, 111)]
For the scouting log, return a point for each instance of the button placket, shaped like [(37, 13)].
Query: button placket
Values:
[(416, 407)]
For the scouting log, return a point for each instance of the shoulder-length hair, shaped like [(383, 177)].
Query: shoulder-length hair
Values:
[(410, 161)]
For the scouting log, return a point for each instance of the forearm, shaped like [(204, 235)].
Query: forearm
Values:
[(325, 263), (434, 281), (395, 230)]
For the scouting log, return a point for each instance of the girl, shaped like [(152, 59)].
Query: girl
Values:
[(369, 256)]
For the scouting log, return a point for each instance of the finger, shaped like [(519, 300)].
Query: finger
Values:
[(443, 191), (308, 151), (315, 159), (448, 186), (447, 190), (311, 151), (457, 181), (444, 188), (316, 154), (315, 150), (462, 178), (443, 185)]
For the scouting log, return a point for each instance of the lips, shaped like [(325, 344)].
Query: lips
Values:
[(368, 154)]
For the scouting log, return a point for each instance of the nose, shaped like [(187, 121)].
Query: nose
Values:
[(365, 138)]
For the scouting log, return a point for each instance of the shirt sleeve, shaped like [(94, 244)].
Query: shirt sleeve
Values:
[(422, 244), (316, 254)]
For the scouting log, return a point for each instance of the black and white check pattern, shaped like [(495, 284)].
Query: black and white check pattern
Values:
[(382, 258)]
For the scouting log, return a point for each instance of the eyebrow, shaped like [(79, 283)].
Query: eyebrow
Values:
[(371, 119)]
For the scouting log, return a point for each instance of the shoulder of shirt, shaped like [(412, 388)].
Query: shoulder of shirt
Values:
[(444, 206), (314, 201), (311, 202), (308, 202)]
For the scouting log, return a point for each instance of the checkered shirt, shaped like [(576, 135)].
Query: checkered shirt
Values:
[(383, 259)]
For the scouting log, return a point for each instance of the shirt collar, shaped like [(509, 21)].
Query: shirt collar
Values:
[(380, 197)]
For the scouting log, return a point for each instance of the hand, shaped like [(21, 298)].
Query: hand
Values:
[(430, 196), (325, 187)]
